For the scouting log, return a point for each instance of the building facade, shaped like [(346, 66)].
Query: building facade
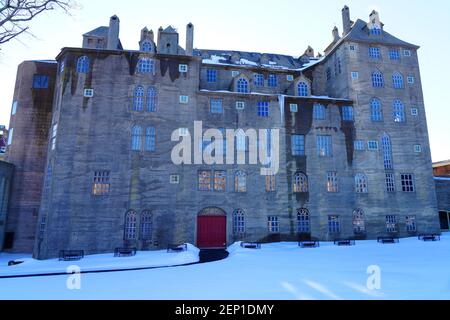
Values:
[(6, 174), (442, 180), (353, 154)]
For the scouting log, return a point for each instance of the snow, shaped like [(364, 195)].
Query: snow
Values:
[(411, 269), (214, 60), (247, 62)]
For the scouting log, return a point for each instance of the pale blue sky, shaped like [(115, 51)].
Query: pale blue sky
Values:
[(282, 26)]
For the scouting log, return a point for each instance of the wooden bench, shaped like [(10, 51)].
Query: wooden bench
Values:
[(71, 255), (388, 240), (14, 263), (430, 237), (344, 242), (309, 244), (125, 252), (177, 248), (251, 245)]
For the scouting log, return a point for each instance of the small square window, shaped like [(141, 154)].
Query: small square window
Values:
[(360, 145), (410, 80), (414, 112), (88, 93), (372, 145), (352, 47), (235, 73), (293, 107), (183, 68), (418, 148), (184, 99), (407, 53), (240, 105), (355, 75), (290, 77), (40, 82), (174, 179)]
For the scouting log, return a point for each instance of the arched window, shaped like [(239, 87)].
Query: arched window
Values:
[(146, 225), (242, 85), (387, 151), (83, 64), (151, 99), (130, 226), (150, 143), (300, 183), (240, 182), (138, 100), (397, 81), (376, 111), (399, 111), (238, 222), (302, 88), (361, 183), (377, 79), (136, 135), (303, 225), (147, 46), (146, 65), (359, 225)]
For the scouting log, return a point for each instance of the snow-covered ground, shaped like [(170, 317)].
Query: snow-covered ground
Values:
[(409, 270)]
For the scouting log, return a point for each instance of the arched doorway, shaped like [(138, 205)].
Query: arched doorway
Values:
[(212, 228)]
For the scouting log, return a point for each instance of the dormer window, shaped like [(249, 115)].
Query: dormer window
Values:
[(147, 46), (375, 31), (242, 86)]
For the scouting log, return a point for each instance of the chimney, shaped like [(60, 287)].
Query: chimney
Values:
[(113, 33), (336, 36), (347, 23), (309, 52), (190, 39)]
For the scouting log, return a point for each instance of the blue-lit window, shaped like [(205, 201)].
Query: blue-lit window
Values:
[(376, 111), (136, 138), (150, 144), (303, 221), (334, 225), (324, 146), (394, 54), (399, 111), (273, 80), (40, 81), (259, 80), (302, 88), (138, 100), (319, 111), (300, 183), (387, 151), (216, 105), (347, 113), (152, 99), (147, 46), (211, 75), (146, 65), (361, 183), (372, 145), (376, 31), (298, 145), (83, 64), (242, 86), (377, 79), (360, 145), (238, 222), (397, 81), (374, 53), (263, 109)]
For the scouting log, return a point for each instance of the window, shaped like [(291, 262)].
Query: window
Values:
[(387, 152), (374, 53), (184, 99), (411, 224), (259, 80), (300, 183), (390, 182), (347, 113), (10, 136), (204, 180), (303, 221), (235, 73), (136, 135), (240, 182), (152, 99), (355, 75), (360, 145), (138, 100), (302, 89), (42, 226), (101, 185), (293, 107), (377, 79), (324, 146), (319, 112), (290, 77), (271, 183), (399, 112), (220, 181), (332, 182), (407, 53), (361, 183), (414, 112), (238, 222), (394, 54), (410, 80), (62, 67), (376, 112), (146, 225), (211, 75), (391, 224), (40, 81), (417, 148), (88, 93), (216, 105), (329, 74), (146, 65), (273, 224), (397, 81), (240, 105), (334, 225), (183, 68), (273, 80), (372, 145), (147, 46), (14, 108), (263, 108), (54, 135), (408, 184), (130, 233), (352, 47), (375, 31), (359, 225), (174, 179), (298, 145), (242, 86), (83, 64), (150, 143)]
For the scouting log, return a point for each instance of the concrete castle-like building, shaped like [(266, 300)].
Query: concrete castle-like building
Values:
[(91, 141)]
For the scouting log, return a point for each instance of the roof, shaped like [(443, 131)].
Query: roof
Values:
[(98, 32), (441, 164), (170, 29)]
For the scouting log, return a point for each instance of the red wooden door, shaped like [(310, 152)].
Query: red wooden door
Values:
[(211, 232)]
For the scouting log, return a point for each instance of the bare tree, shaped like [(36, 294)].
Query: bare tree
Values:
[(15, 15)]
